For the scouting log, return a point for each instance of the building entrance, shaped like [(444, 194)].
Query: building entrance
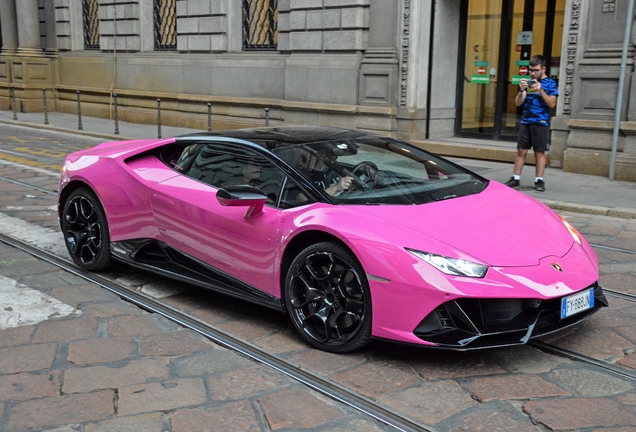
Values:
[(498, 39)]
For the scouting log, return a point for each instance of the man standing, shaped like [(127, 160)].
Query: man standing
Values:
[(538, 96)]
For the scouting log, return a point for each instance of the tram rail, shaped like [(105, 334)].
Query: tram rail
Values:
[(320, 384), (325, 387)]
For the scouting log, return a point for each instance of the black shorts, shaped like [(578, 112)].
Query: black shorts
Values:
[(534, 136)]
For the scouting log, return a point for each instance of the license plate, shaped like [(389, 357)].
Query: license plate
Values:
[(576, 303)]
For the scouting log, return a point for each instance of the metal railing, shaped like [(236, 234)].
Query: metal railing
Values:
[(260, 25), (115, 113), (91, 24), (165, 25)]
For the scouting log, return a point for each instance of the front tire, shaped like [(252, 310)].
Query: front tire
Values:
[(328, 299), (85, 231)]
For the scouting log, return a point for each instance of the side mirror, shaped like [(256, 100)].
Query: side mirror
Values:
[(243, 196)]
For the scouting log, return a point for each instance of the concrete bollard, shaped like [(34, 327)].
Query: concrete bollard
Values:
[(15, 114), (158, 118), (209, 116), (79, 112), (115, 114), (46, 114)]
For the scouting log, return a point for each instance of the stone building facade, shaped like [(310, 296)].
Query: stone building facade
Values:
[(390, 66)]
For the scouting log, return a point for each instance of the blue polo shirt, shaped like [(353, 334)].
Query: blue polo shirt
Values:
[(535, 110)]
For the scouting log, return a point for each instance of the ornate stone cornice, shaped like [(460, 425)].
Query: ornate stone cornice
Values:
[(571, 49), (404, 61)]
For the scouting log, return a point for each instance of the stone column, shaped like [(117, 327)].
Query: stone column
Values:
[(9, 27), (625, 168), (51, 29), (378, 69), (28, 28)]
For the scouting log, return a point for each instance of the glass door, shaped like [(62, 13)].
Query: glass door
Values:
[(499, 39), (480, 65)]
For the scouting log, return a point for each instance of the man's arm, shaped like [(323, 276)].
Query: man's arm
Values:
[(520, 98), (549, 100)]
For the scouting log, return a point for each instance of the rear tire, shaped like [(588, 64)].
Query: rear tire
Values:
[(85, 231), (328, 299)]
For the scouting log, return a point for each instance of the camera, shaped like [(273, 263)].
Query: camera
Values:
[(531, 83)]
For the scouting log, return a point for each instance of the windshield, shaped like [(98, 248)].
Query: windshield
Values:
[(379, 170)]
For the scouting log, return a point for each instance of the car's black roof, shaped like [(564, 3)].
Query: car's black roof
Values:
[(286, 135)]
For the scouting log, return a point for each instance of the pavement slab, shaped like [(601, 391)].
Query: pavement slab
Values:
[(24, 386), (293, 409), (244, 383), (229, 417), (100, 350), (153, 422), (431, 402), (133, 371), (520, 386), (27, 358), (38, 414), (500, 418), (579, 413), (160, 396)]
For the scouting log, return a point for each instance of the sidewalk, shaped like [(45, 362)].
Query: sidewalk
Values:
[(564, 191)]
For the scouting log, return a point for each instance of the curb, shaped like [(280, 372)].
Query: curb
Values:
[(110, 137), (617, 212)]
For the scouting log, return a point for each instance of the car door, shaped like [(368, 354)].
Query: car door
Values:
[(191, 219)]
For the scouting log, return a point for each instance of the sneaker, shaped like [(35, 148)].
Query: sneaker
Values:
[(539, 186), (512, 182)]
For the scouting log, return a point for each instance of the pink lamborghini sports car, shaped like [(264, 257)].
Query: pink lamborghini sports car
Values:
[(354, 235)]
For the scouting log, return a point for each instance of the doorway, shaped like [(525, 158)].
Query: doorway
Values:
[(498, 39)]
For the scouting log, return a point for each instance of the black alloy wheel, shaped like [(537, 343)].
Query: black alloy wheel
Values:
[(85, 231), (328, 299)]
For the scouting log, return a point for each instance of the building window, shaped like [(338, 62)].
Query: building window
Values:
[(165, 25), (260, 25), (91, 24)]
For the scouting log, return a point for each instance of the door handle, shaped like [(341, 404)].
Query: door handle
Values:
[(160, 199)]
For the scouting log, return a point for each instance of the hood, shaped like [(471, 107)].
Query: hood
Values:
[(499, 226)]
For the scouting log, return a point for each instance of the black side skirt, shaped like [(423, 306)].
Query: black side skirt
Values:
[(159, 258)]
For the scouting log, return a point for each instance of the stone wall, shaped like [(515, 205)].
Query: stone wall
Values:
[(202, 25), (323, 25), (63, 24), (119, 25)]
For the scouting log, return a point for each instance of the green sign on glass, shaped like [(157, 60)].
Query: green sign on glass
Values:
[(523, 62), (480, 79), (481, 63)]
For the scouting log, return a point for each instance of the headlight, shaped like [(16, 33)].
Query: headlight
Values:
[(452, 266), (573, 232)]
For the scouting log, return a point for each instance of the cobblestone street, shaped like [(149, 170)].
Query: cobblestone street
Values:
[(112, 366)]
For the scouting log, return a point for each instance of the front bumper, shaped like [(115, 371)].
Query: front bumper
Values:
[(466, 324)]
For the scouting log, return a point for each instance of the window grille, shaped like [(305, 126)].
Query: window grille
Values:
[(165, 25), (260, 25), (91, 24)]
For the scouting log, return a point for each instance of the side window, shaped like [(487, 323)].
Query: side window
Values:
[(293, 195), (223, 166)]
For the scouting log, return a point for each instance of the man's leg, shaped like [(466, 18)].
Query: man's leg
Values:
[(540, 167), (520, 160), (523, 142)]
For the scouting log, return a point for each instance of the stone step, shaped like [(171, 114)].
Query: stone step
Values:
[(498, 151)]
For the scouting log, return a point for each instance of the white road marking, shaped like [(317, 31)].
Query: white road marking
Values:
[(31, 168), (21, 305), (43, 238), (53, 242)]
